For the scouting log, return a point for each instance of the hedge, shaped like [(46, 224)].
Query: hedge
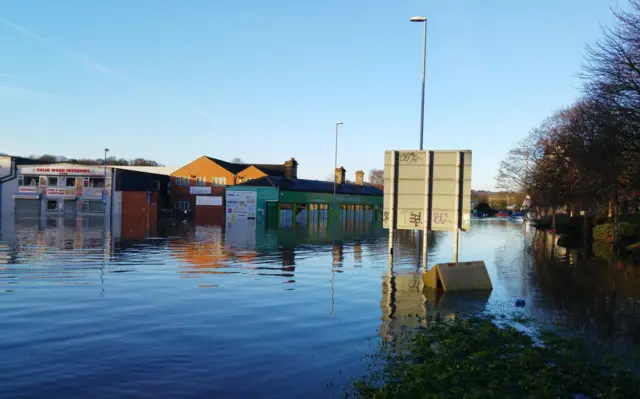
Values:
[(604, 232)]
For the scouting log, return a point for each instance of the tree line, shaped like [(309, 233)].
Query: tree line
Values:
[(586, 157), (48, 158)]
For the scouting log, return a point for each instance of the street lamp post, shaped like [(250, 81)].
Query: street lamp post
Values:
[(335, 161), (424, 66), (420, 236), (106, 150)]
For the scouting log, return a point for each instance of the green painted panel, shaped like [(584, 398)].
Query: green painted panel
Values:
[(306, 197), (263, 194)]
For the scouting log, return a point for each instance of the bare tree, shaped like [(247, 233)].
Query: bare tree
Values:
[(376, 177), (237, 160)]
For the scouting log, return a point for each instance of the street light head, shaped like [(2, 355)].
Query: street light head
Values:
[(339, 123), (106, 150), (418, 19)]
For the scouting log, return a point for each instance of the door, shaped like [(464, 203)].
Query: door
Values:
[(27, 207), (70, 207), (272, 214)]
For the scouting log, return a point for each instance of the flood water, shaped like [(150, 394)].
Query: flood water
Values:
[(237, 312)]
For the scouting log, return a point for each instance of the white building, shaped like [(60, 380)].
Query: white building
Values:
[(59, 190)]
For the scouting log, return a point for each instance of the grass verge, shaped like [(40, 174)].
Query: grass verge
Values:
[(473, 358)]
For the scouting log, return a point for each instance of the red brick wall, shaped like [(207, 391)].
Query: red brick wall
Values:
[(134, 214), (201, 167), (210, 215)]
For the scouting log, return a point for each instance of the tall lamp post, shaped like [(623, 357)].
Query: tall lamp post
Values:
[(335, 161), (419, 235), (104, 190), (424, 66)]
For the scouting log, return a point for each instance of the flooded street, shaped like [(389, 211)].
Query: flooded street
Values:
[(209, 311)]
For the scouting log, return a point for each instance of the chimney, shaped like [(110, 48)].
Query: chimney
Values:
[(340, 173), (291, 168), (359, 178)]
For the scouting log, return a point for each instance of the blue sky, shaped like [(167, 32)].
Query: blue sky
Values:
[(267, 80)]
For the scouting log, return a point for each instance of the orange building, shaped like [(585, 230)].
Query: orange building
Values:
[(199, 187)]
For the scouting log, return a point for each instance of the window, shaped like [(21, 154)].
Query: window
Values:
[(200, 181), (31, 181), (181, 205), (156, 185), (96, 182), (70, 181), (52, 205), (52, 181), (182, 181), (219, 181), (93, 206)]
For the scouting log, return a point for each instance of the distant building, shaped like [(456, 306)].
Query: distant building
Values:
[(127, 197), (278, 201), (199, 187)]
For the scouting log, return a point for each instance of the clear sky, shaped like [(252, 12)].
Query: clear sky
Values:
[(267, 80)]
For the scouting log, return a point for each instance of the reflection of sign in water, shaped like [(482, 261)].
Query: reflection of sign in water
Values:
[(240, 234), (241, 205)]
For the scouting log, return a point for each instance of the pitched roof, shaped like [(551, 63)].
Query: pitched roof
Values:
[(235, 168), (318, 186), (271, 170)]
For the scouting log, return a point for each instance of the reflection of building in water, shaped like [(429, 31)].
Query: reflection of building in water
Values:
[(337, 254), (34, 238), (357, 252), (201, 248)]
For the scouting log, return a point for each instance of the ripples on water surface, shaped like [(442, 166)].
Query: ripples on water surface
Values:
[(203, 311)]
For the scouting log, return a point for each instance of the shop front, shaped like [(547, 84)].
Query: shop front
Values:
[(62, 190)]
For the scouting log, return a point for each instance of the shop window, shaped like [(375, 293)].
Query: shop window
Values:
[(201, 181), (70, 182), (156, 185), (219, 181), (31, 181), (52, 205), (181, 205), (52, 181), (93, 206), (96, 182), (182, 181)]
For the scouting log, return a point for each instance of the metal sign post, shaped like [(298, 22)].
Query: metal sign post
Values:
[(427, 190)]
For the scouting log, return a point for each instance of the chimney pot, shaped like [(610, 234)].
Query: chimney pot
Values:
[(291, 168), (340, 175), (359, 177)]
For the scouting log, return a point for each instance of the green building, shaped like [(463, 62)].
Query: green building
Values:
[(290, 202)]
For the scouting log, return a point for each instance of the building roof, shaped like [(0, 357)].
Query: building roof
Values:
[(318, 186), (156, 170), (235, 168), (270, 170)]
